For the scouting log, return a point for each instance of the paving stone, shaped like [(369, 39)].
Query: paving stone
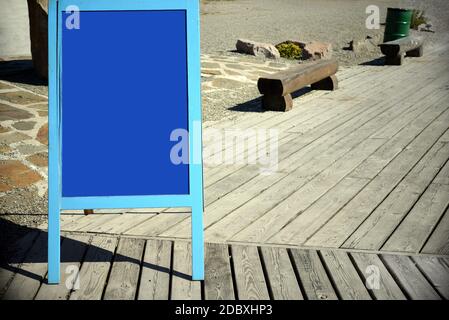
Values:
[(39, 159), (27, 149), (237, 66), (12, 113), (226, 83), (276, 65), (24, 125), (250, 59), (5, 86), (4, 148), (4, 129), (14, 174), (21, 97), (211, 65), (13, 137), (43, 106), (233, 73), (42, 135), (268, 69), (42, 113), (211, 71), (260, 73)]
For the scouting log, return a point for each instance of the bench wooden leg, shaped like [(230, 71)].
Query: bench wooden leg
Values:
[(418, 52), (88, 211), (329, 83), (394, 60), (277, 103)]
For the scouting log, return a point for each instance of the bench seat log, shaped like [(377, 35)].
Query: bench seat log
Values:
[(277, 88), (394, 51)]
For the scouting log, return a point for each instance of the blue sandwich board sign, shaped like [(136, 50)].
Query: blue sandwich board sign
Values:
[(124, 80)]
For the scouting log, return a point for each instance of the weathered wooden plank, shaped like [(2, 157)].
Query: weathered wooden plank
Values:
[(337, 117), (436, 271), (376, 277), (248, 272), (122, 283), (368, 83), (377, 228), (344, 275), (443, 176), (336, 231), (333, 113), (340, 113), (274, 220), (439, 240), (305, 154), (420, 92), (30, 273), (370, 128), (73, 248), (84, 221), (158, 224), (405, 129), (95, 223), (228, 225), (218, 283), (350, 106), (227, 204), (68, 219), (280, 273), (95, 269), (11, 262), (123, 222), (410, 278), (155, 278), (183, 288), (310, 220), (312, 275), (417, 226), (300, 158)]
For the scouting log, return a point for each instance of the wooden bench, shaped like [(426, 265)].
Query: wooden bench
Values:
[(395, 51), (277, 88)]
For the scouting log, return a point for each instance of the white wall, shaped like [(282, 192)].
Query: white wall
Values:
[(14, 28)]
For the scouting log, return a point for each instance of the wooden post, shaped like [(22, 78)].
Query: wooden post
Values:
[(418, 52), (394, 60), (277, 103), (88, 211), (329, 83)]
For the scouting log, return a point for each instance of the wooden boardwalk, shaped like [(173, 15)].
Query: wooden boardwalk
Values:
[(364, 167), (132, 268)]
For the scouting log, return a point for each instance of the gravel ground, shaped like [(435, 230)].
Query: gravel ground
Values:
[(274, 21), (334, 21)]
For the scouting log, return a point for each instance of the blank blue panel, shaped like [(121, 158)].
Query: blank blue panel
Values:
[(124, 90)]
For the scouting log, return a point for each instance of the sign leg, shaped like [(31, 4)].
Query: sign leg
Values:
[(54, 241), (197, 243)]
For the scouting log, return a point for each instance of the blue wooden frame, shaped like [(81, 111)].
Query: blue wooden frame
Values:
[(194, 199)]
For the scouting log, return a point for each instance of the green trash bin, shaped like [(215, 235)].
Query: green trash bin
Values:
[(397, 23)]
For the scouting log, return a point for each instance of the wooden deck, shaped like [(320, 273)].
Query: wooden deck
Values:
[(132, 268), (364, 167)]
